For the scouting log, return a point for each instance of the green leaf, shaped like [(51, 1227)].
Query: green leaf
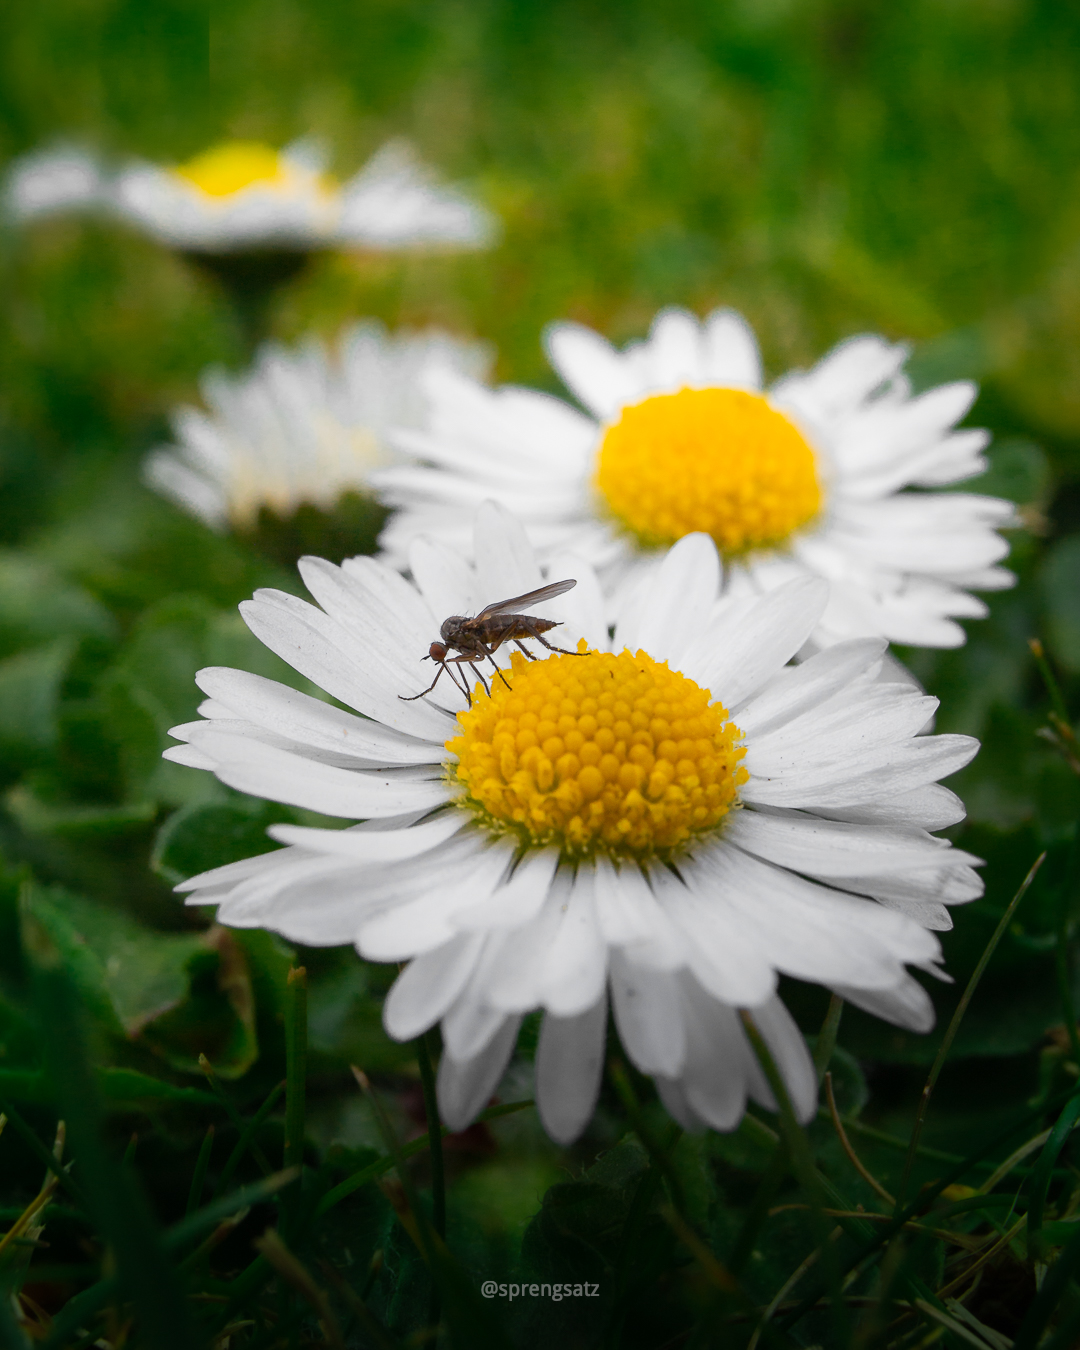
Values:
[(114, 1197), (30, 685), (578, 1236), (140, 974), (962, 354), (345, 1018), (38, 603), (1060, 585), (210, 834), (217, 1019), (151, 687), (77, 823), (179, 994), (124, 1087), (1019, 471)]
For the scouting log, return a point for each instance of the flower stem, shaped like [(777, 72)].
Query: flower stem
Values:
[(295, 1086), (438, 1173), (295, 1065), (826, 1041), (435, 1133)]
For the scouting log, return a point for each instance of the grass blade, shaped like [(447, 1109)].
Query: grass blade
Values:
[(117, 1204), (250, 1130), (198, 1178), (954, 1026), (1040, 1179)]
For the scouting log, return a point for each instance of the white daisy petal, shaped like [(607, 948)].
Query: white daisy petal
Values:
[(419, 925), (470, 1024), (795, 921), (648, 1012), (590, 368), (519, 900), (576, 965), (395, 201), (464, 1088), (428, 985), (569, 1062), (731, 351), (931, 807), (282, 776), (673, 356), (517, 961), (791, 1057), (630, 916), (443, 578), (830, 787), (370, 680), (673, 1095), (306, 720), (725, 960), (797, 689), (189, 756), (717, 1059), (834, 849), (505, 563), (677, 602), (367, 846), (735, 659), (906, 1004)]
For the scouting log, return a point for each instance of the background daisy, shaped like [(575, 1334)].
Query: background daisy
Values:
[(241, 195), (304, 428), (665, 822), (810, 476)]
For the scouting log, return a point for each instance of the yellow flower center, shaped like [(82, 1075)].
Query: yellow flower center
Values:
[(598, 753), (235, 165), (718, 460)]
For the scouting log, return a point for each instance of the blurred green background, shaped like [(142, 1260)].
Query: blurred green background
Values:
[(828, 167)]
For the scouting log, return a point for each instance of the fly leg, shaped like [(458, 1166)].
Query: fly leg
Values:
[(498, 669), (533, 633), (484, 682), (431, 686), (460, 680)]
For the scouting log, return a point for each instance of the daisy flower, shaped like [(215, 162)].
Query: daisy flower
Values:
[(811, 476), (303, 426), (50, 182), (242, 196), (663, 821)]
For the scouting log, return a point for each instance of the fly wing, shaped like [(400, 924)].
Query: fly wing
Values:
[(521, 602)]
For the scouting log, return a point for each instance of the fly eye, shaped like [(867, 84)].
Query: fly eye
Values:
[(437, 651)]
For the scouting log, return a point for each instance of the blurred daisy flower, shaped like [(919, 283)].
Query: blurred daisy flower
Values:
[(49, 182), (808, 477), (242, 195), (285, 451), (665, 820)]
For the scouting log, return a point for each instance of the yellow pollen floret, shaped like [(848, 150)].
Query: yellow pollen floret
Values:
[(235, 165), (717, 460), (597, 753)]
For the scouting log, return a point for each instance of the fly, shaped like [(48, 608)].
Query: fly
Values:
[(476, 639)]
